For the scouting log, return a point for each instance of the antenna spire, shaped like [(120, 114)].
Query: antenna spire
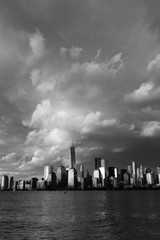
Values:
[(72, 140)]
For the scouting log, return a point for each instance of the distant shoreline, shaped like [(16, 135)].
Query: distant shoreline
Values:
[(85, 190)]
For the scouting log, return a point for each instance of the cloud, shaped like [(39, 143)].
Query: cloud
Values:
[(141, 93), (150, 129), (37, 45), (43, 81), (112, 66), (93, 121), (118, 149), (146, 93), (38, 159), (46, 79), (93, 78), (154, 64), (42, 116), (9, 164), (116, 63), (36, 42), (63, 51), (73, 52), (72, 80), (53, 129), (9, 159), (97, 56), (55, 124)]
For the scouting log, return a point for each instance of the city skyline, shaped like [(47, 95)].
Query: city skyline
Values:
[(104, 177), (85, 72)]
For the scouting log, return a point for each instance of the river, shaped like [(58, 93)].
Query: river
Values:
[(112, 215)]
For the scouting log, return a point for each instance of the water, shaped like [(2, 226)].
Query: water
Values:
[(80, 215)]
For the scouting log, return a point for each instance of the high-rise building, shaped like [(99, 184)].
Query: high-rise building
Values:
[(103, 176), (104, 164), (41, 185), (47, 171), (61, 177), (72, 173), (88, 180), (27, 185), (97, 163), (4, 182), (72, 163), (149, 178), (134, 172), (21, 185), (134, 168), (111, 171), (129, 170), (82, 179), (158, 170), (115, 172), (51, 181), (72, 178), (138, 173), (141, 171), (97, 178), (158, 178), (126, 179), (15, 185), (11, 183), (81, 171), (34, 183), (158, 175)]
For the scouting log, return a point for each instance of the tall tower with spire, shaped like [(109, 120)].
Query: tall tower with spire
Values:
[(72, 173), (72, 158)]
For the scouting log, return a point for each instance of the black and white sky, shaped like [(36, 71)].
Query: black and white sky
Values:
[(82, 70)]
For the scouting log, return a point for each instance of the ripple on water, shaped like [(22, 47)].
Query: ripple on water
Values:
[(79, 215)]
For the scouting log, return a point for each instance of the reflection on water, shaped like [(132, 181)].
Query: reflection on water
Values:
[(80, 215)]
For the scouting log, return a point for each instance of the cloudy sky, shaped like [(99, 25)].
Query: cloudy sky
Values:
[(82, 70)]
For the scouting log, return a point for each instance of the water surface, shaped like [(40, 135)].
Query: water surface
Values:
[(113, 215)]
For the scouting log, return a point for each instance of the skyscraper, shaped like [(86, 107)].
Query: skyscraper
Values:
[(47, 171), (141, 171), (111, 171), (129, 170), (104, 164), (115, 172), (138, 173), (97, 178), (72, 173), (104, 170), (33, 183), (72, 163), (51, 181), (11, 183), (82, 176), (61, 177), (97, 163), (133, 169), (134, 172), (4, 182), (158, 175), (72, 178), (81, 171), (149, 178)]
